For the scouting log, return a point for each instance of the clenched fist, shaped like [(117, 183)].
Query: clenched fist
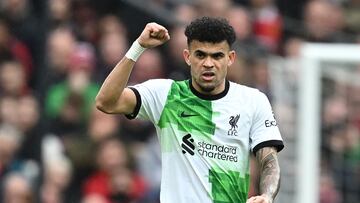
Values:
[(153, 35)]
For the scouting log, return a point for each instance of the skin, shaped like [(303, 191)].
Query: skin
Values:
[(208, 63), (269, 175)]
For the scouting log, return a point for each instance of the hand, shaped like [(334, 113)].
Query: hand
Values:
[(153, 35), (259, 199)]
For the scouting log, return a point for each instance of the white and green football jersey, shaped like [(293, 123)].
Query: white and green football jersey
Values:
[(206, 140)]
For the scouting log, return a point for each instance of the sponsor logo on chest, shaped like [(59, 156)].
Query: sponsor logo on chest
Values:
[(209, 150)]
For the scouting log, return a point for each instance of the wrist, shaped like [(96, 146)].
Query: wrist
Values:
[(135, 51)]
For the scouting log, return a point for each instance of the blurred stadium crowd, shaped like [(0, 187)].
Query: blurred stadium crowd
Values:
[(54, 54)]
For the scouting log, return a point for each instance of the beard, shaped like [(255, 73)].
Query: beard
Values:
[(206, 87)]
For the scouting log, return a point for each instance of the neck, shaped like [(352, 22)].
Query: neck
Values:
[(217, 90), (217, 93)]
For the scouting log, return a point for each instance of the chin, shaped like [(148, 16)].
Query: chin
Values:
[(207, 88)]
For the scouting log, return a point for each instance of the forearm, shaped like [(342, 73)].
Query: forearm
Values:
[(269, 172), (113, 97), (114, 84)]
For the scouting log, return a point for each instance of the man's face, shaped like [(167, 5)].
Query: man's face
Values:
[(209, 63)]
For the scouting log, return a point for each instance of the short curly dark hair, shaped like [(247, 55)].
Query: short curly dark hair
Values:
[(209, 29)]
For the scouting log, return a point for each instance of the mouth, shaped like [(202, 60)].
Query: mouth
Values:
[(208, 76)]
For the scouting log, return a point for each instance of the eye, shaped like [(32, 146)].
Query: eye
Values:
[(200, 55), (218, 56)]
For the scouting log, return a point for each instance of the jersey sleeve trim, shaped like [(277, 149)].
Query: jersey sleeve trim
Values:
[(278, 144), (137, 106)]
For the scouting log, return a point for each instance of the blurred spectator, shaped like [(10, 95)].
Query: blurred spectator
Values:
[(176, 68), (70, 102), (25, 25), (29, 124), (238, 72), (20, 118), (148, 160), (135, 132), (322, 27), (59, 12), (215, 8), (103, 126), (260, 76), (344, 144), (335, 111), (85, 21), (352, 16), (247, 46), (114, 179), (328, 193), (57, 176), (22, 20), (94, 198), (112, 45), (17, 189), (8, 110), (354, 103), (12, 48), (185, 13), (57, 171), (100, 127), (13, 79), (240, 18), (111, 24), (267, 23), (148, 66), (292, 47), (61, 44), (10, 139)]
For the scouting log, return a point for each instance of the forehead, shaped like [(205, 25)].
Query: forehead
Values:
[(209, 47)]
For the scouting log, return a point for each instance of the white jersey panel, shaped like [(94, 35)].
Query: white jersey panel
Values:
[(153, 97), (264, 127)]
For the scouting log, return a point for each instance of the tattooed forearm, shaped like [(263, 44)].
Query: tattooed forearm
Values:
[(269, 172)]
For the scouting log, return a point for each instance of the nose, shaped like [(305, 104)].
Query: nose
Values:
[(208, 63)]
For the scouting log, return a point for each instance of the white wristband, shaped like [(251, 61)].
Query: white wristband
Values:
[(135, 51)]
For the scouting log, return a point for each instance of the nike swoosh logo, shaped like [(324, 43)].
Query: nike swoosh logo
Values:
[(184, 115)]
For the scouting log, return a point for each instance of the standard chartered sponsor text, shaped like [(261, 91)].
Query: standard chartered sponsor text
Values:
[(222, 152)]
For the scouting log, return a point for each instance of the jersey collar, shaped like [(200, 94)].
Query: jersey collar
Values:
[(208, 96)]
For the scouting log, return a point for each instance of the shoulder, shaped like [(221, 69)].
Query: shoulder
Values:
[(253, 98), (164, 84), (245, 91), (155, 84), (158, 81)]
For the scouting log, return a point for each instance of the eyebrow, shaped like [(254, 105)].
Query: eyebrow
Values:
[(208, 53)]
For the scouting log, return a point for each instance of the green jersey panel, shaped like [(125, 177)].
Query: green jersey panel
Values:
[(186, 111)]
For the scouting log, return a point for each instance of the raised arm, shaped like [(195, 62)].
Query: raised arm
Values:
[(113, 96), (269, 175)]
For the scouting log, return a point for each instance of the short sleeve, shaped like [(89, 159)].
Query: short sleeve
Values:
[(150, 99), (264, 131)]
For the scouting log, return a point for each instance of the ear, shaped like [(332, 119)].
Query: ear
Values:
[(232, 56), (186, 55)]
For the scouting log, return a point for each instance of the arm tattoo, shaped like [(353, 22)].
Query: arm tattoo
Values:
[(269, 171)]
